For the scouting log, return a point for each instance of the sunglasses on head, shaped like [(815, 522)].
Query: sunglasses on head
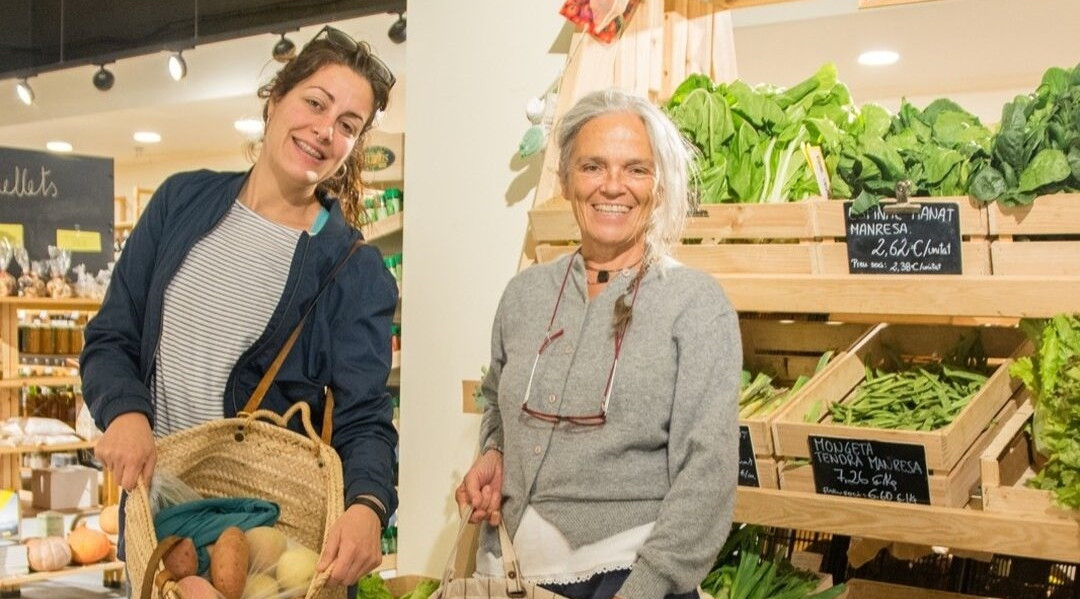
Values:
[(362, 55)]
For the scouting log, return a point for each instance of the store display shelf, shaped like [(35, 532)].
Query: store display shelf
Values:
[(15, 581), (385, 227), (1024, 535), (41, 381), (56, 447), (47, 303), (923, 295), (395, 361)]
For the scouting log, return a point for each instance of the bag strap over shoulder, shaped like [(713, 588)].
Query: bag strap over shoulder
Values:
[(268, 377)]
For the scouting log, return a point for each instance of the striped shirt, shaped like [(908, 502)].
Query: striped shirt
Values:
[(216, 307)]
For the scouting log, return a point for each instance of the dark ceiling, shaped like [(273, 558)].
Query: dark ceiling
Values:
[(47, 35)]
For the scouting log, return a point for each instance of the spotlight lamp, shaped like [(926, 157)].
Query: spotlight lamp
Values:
[(104, 79), (26, 95), (284, 50), (177, 66), (397, 30)]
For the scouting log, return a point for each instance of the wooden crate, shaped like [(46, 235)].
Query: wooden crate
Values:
[(786, 350), (768, 474), (723, 238), (1042, 238), (944, 447), (948, 489), (804, 237), (857, 588), (1008, 462)]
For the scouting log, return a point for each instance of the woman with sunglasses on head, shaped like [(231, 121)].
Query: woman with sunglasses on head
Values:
[(609, 438), (220, 270)]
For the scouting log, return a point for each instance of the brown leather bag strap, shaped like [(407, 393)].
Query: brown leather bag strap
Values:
[(328, 417), (257, 396), (150, 577)]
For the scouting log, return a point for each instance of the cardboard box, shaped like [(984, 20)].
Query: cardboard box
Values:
[(64, 488)]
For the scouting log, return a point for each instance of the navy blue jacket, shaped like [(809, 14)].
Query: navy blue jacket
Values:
[(345, 344)]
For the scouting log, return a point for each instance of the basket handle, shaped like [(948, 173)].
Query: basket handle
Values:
[(509, 558), (282, 420), (152, 577)]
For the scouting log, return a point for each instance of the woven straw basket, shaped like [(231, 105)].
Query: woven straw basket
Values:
[(252, 455)]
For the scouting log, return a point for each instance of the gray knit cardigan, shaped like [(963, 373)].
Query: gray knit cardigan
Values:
[(668, 452)]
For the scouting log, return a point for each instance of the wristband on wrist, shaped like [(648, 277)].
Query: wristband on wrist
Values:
[(373, 505)]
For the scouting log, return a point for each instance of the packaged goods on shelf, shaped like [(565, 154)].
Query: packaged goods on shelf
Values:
[(14, 559), (10, 513)]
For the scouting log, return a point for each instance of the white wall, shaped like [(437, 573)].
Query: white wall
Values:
[(478, 64)]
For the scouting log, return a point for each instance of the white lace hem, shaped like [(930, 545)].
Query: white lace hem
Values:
[(577, 577)]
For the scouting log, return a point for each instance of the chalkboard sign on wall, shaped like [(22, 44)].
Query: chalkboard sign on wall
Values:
[(49, 196), (926, 242)]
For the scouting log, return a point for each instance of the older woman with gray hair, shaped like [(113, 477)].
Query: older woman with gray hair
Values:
[(609, 440)]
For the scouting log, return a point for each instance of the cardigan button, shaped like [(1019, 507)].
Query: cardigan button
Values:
[(537, 450), (551, 398)]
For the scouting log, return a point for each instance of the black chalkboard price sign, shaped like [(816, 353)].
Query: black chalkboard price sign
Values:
[(872, 469), (926, 242), (747, 463)]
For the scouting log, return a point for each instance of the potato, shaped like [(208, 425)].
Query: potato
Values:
[(266, 544), (261, 586), (296, 568), (195, 587), (181, 560), (229, 563)]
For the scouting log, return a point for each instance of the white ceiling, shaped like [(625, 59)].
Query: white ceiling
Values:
[(979, 52)]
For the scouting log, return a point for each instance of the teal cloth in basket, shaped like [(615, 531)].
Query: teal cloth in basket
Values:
[(205, 519)]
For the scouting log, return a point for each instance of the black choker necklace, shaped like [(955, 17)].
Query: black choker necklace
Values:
[(603, 276)]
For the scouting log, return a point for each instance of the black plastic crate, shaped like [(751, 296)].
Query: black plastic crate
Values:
[(937, 572)]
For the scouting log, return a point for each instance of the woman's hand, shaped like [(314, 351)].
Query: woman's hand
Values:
[(353, 547), (127, 449), (482, 488)]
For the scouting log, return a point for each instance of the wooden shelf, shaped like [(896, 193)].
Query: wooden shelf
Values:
[(395, 363), (926, 295), (19, 449), (47, 303), (382, 228), (1025, 535), (14, 581), (41, 381)]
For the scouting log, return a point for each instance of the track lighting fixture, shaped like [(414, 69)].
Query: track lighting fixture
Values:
[(22, 88), (397, 30), (284, 50), (177, 66), (104, 79)]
